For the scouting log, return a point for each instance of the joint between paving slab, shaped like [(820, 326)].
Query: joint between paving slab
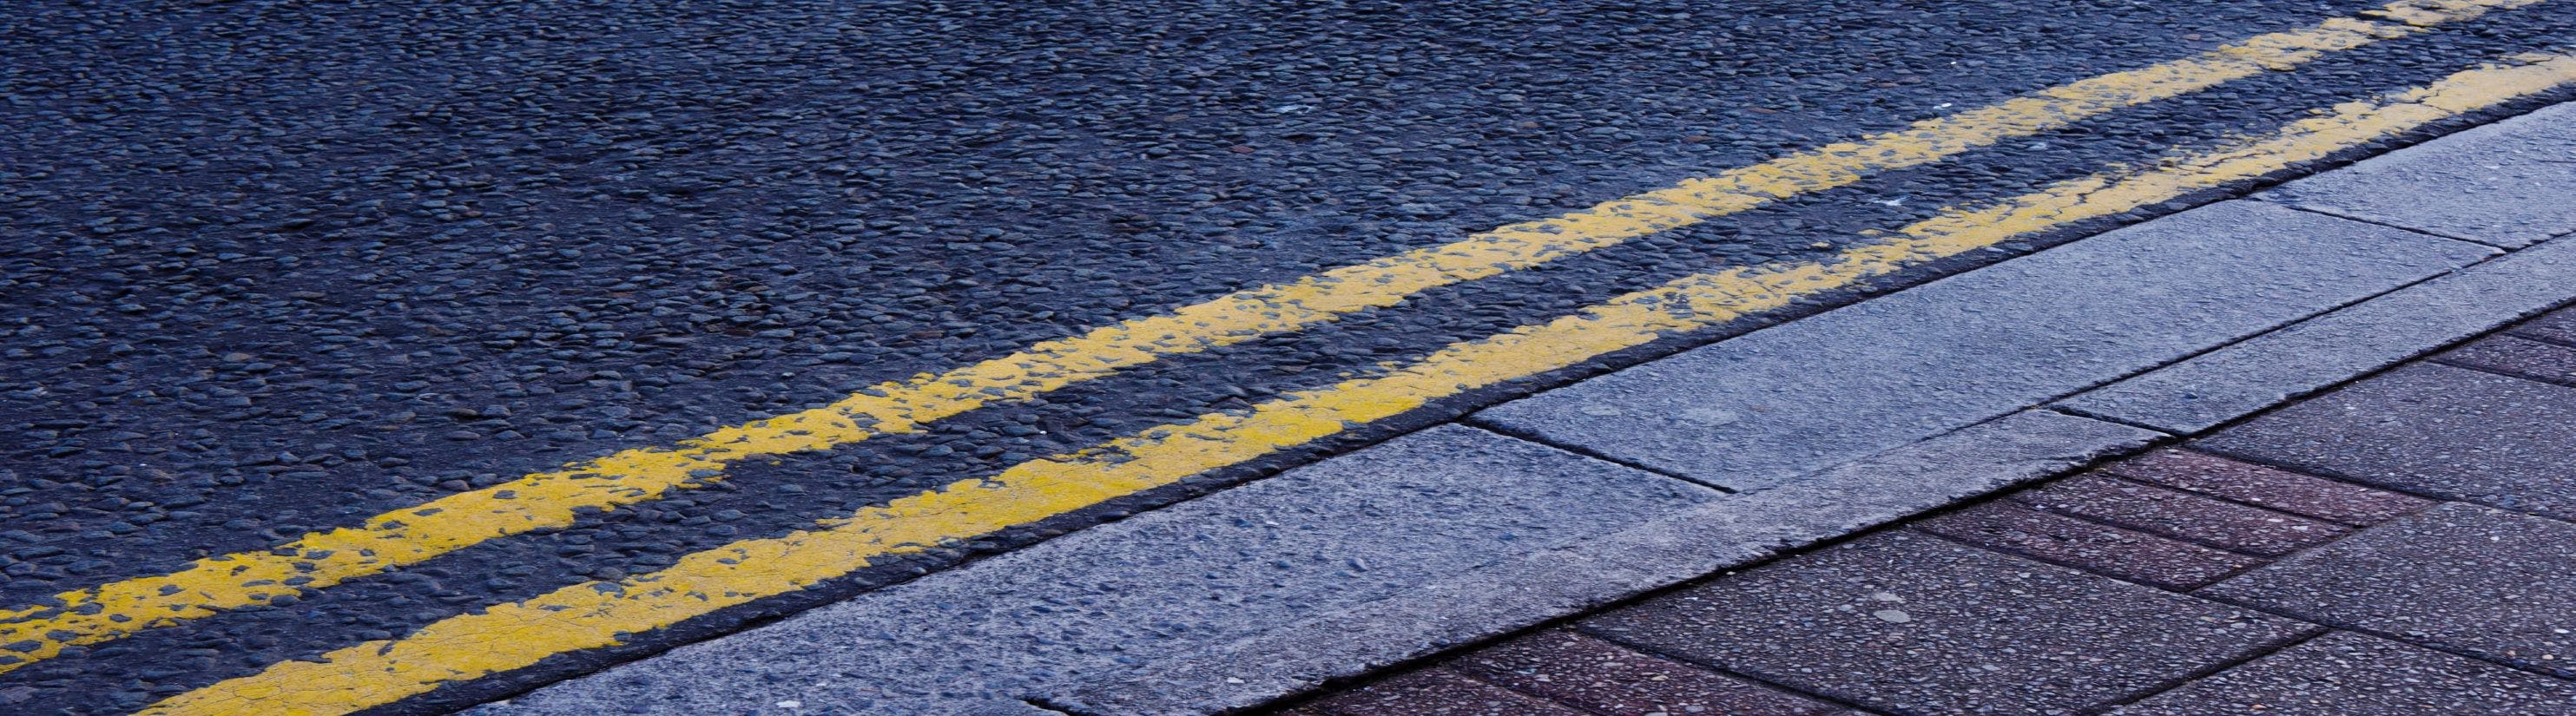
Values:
[(2354, 531), (2208, 591), (2560, 342), (2261, 461), (2195, 539), (1752, 679), (2333, 626), (2051, 561), (2192, 440), (2075, 412), (2502, 327), (2057, 402), (1651, 650), (1574, 621), (1711, 668), (2221, 666), (2399, 227), (2356, 528), (2483, 370), (1472, 421)]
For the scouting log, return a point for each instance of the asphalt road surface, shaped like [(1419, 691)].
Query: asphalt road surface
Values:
[(272, 269)]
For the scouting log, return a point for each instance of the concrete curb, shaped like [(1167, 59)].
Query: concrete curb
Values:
[(2232, 382), (1773, 406)]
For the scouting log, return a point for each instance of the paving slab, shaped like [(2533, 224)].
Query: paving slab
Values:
[(2347, 674), (1439, 692), (2431, 430), (2463, 578), (2241, 379), (2518, 357), (2181, 515), (1718, 535), (1613, 680), (1911, 624), (2510, 184), (2253, 484), (1379, 524), (2006, 526), (2558, 327), (1764, 408)]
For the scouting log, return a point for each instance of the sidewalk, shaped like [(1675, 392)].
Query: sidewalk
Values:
[(2400, 545)]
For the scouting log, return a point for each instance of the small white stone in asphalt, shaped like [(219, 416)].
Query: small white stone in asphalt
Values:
[(1709, 416), (1894, 615)]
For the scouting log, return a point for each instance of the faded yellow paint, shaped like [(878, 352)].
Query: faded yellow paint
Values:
[(597, 614), (553, 499), (2427, 13)]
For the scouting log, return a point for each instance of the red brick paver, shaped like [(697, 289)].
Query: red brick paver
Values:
[(2181, 515), (2347, 674), (1907, 623), (2518, 357), (2267, 487), (2007, 526), (1439, 692), (1610, 679), (2559, 327)]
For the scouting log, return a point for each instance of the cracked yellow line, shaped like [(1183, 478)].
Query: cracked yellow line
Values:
[(555, 498), (598, 614)]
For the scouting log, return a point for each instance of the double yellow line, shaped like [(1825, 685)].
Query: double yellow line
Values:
[(594, 614), (555, 499)]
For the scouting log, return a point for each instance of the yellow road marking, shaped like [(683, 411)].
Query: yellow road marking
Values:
[(598, 614), (554, 499)]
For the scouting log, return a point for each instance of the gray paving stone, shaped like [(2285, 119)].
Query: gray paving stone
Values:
[(1707, 538), (2476, 580), (2347, 674), (2507, 184), (2430, 429), (1762, 409), (2236, 381), (1911, 624), (1374, 526)]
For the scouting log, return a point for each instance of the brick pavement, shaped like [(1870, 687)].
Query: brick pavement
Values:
[(2399, 545)]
